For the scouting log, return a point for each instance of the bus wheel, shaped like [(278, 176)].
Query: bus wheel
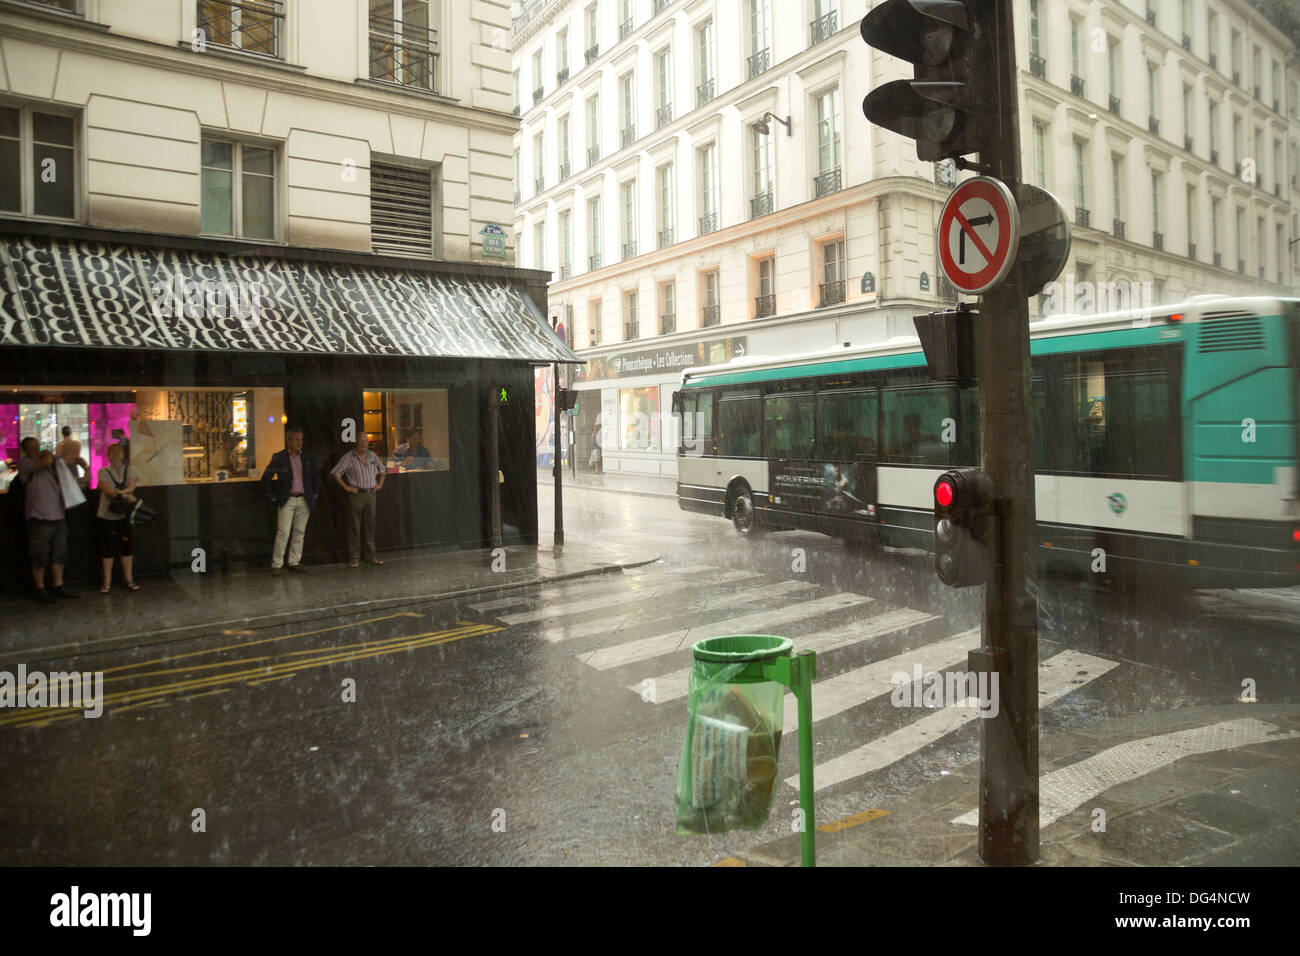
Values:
[(743, 515)]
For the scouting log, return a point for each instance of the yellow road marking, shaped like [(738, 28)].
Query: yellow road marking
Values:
[(208, 693), (731, 861), (866, 816)]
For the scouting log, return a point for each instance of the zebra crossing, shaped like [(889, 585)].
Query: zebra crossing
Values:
[(643, 626)]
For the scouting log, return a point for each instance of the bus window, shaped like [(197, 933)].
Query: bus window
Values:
[(788, 426), (847, 425), (921, 425), (697, 422), (740, 417)]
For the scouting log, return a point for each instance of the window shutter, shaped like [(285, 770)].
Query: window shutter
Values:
[(401, 211)]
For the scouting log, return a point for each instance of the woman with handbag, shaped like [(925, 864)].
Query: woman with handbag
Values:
[(116, 499)]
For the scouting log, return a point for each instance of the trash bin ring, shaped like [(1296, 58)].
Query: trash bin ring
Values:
[(742, 648)]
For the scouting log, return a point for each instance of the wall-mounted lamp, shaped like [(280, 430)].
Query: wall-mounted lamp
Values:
[(762, 126)]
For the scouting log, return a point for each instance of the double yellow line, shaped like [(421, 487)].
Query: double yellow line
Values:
[(263, 668)]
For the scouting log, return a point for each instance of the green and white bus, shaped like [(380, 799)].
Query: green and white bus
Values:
[(1169, 440)]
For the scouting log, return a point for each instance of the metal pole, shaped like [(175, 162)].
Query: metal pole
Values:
[(805, 670), (1008, 807), (556, 469), (494, 464)]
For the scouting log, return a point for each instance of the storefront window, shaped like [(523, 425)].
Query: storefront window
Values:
[(172, 436), (408, 428), (639, 412)]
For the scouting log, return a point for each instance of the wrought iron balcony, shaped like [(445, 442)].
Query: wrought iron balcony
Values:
[(764, 305), (1187, 143), (629, 249), (827, 183), (403, 53), (1214, 157), (1257, 92), (1158, 241), (1037, 65), (628, 136), (539, 185), (668, 323), (712, 315), (625, 29), (514, 110), (663, 115), (1076, 85), (823, 28), (1153, 125), (517, 197), (761, 204), (666, 237), (1241, 266), (565, 170), (705, 92), (1187, 42), (1214, 62), (595, 337), (1117, 228), (661, 6), (1276, 104), (562, 76), (1151, 15), (537, 95), (1082, 215), (832, 293), (708, 223), (1114, 104), (254, 27), (1236, 77), (1277, 189), (759, 62), (591, 53), (593, 154), (1191, 250), (631, 330), (1218, 259), (1262, 271), (593, 262), (566, 271)]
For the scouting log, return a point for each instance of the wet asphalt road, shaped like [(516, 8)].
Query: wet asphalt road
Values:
[(513, 729)]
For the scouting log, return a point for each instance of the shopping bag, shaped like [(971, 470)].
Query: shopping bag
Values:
[(72, 493)]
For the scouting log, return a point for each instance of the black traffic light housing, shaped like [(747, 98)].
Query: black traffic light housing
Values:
[(948, 107), (964, 523), (568, 399), (947, 338)]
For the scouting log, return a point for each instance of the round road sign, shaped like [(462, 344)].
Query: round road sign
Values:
[(1045, 236), (978, 235)]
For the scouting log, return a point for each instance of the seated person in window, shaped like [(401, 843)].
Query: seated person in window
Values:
[(412, 452)]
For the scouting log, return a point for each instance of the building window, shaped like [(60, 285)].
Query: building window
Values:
[(1155, 207), (626, 23), (238, 190), (561, 55), (401, 210), (705, 85), (1080, 182), (539, 245), (1212, 36), (253, 26), (38, 163), (1153, 100), (710, 306), (591, 18), (627, 99), (1035, 40), (1214, 132), (631, 318), (518, 97), (409, 428), (628, 203), (1112, 71), (593, 130), (708, 179), (594, 323), (1076, 68), (566, 244), (825, 21), (828, 143), (665, 191), (761, 202), (832, 279), (539, 163), (760, 53), (593, 234), (1215, 219), (1188, 130), (667, 308), (1191, 222), (664, 87), (1040, 155), (1240, 242), (562, 133), (765, 287), (403, 43), (67, 6), (1117, 191), (538, 90)]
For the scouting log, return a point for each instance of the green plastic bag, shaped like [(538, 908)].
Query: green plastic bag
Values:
[(727, 774)]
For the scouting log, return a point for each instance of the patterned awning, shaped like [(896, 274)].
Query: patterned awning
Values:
[(65, 292)]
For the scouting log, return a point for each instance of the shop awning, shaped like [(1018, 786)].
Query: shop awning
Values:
[(72, 292)]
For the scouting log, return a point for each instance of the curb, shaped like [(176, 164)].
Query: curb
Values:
[(621, 491)]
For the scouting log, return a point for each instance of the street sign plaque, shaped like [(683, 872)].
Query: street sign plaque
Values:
[(978, 235)]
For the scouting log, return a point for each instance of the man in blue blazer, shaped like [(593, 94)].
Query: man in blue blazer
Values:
[(290, 482)]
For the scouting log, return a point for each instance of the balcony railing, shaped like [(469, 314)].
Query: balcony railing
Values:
[(403, 53), (539, 185), (514, 110), (1076, 85), (764, 305), (761, 204), (827, 183), (629, 249), (591, 53), (668, 323), (1240, 168), (595, 337), (593, 262), (593, 154), (1218, 259), (253, 26), (517, 197), (565, 170), (1037, 65), (705, 92), (661, 6), (1236, 77), (1082, 215), (1241, 266), (628, 136), (1275, 107), (566, 271), (832, 293), (1114, 104), (1214, 62), (1151, 16), (711, 315), (823, 28), (1153, 125), (625, 29), (562, 76), (1191, 250), (1187, 143), (1158, 241), (1117, 228), (708, 223), (1187, 42), (537, 95), (631, 330), (666, 237), (663, 115), (759, 62), (1214, 157), (1257, 97)]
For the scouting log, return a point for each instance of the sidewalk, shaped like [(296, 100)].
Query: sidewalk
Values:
[(193, 605), (655, 486), (1223, 806)]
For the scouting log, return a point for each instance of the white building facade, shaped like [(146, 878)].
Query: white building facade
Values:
[(698, 177)]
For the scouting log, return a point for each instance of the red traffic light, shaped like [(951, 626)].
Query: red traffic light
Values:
[(944, 493)]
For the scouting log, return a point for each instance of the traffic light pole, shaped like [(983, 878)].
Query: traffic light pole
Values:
[(1008, 803), (556, 469)]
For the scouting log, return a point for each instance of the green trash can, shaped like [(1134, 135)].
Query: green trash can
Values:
[(728, 771)]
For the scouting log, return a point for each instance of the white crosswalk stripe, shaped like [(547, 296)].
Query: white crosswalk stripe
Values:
[(1058, 676), (633, 579), (626, 596), (677, 684), (1062, 791), (762, 622)]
